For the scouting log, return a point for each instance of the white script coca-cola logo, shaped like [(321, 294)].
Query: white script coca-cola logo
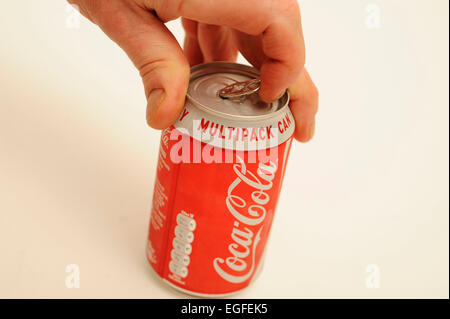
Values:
[(247, 215)]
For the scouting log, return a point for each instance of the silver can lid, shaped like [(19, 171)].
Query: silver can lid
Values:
[(207, 81)]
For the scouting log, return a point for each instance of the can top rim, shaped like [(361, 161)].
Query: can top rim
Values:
[(232, 68)]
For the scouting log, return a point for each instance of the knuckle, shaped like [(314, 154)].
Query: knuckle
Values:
[(114, 21), (107, 14), (209, 28), (167, 10), (149, 67), (153, 71), (190, 27), (149, 73), (287, 7)]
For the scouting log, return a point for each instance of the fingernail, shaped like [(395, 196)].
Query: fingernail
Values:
[(154, 100), (279, 96)]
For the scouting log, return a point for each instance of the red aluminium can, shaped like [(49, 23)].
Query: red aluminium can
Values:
[(218, 180)]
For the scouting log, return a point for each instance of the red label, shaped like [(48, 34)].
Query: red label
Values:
[(210, 222)]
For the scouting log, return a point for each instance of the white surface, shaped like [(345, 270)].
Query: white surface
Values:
[(77, 161)]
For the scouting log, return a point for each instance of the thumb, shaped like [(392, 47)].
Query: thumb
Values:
[(154, 51)]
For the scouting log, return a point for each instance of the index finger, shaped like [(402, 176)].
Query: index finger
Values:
[(276, 22)]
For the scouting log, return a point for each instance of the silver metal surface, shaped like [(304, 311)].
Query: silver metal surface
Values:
[(208, 80), (240, 89)]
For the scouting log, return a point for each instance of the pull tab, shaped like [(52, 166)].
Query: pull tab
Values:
[(240, 89)]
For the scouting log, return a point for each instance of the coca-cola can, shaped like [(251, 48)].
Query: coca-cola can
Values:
[(219, 176)]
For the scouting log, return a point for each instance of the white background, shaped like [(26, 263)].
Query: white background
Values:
[(77, 161)]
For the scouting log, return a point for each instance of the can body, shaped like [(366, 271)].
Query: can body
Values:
[(214, 201)]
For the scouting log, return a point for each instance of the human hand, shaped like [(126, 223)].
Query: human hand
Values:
[(268, 33)]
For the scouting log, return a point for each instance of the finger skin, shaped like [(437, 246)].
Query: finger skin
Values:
[(207, 43), (191, 46), (277, 22), (274, 28), (216, 43), (153, 50), (304, 106)]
